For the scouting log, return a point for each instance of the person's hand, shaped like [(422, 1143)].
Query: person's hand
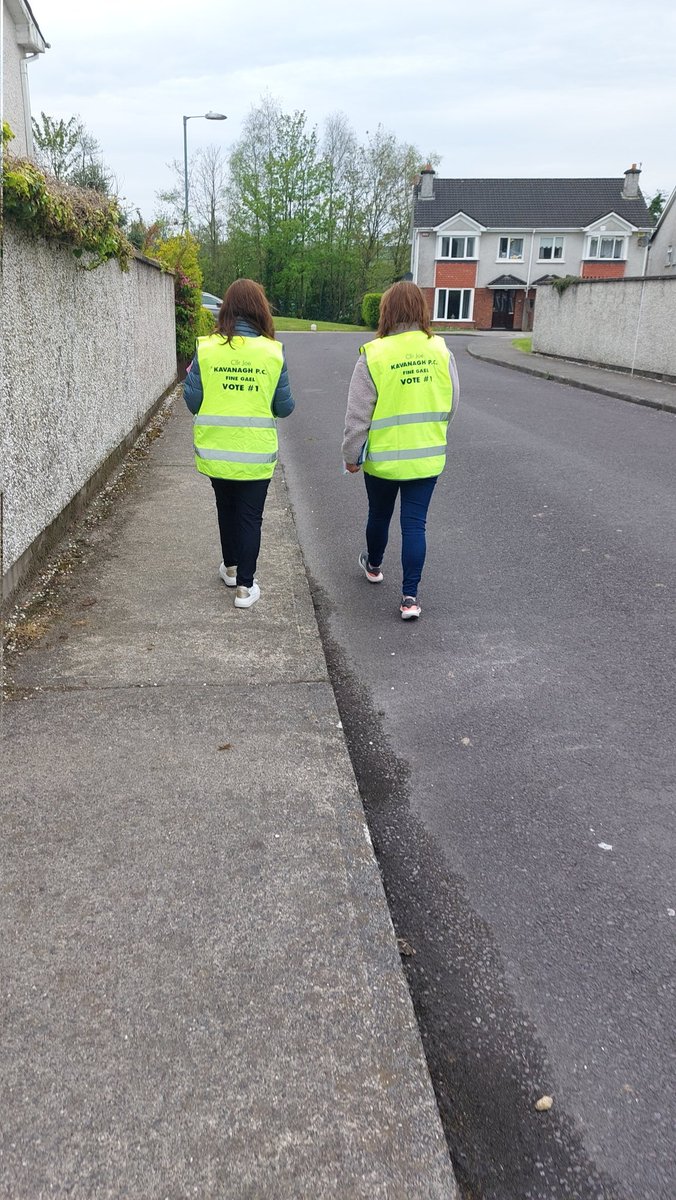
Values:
[(352, 468)]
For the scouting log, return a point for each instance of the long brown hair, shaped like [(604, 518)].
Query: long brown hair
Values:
[(403, 304), (246, 300)]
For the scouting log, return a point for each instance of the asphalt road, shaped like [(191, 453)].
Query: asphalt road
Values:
[(516, 752)]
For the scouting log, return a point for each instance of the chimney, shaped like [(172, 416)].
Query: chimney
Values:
[(427, 174), (630, 189)]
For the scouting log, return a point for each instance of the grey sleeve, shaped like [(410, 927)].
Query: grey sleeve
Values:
[(453, 372), (361, 401)]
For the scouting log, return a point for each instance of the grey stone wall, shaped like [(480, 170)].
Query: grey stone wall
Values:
[(85, 355), (625, 323)]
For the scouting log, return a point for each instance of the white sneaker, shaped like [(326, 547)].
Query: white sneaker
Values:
[(228, 575), (409, 608), (245, 597)]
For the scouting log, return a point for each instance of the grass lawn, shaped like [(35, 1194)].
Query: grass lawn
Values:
[(525, 344), (286, 323)]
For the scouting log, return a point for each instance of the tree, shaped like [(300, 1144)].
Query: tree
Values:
[(318, 222), (338, 259), (57, 144), (69, 152), (656, 203), (209, 193), (275, 199), (387, 169)]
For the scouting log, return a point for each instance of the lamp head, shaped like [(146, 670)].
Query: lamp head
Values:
[(214, 116)]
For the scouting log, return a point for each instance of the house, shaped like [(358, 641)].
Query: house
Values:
[(481, 247), (22, 41), (662, 251)]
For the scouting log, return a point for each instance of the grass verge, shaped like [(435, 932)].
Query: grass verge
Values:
[(524, 344), (298, 323)]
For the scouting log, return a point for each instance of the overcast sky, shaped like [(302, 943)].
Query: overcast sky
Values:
[(540, 88)]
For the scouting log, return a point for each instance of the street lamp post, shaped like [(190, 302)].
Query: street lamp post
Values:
[(209, 116)]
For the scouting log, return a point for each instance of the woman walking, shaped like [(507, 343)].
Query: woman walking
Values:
[(237, 384), (403, 393)]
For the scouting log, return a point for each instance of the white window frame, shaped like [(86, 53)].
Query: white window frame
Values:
[(463, 292), (555, 237), (509, 238), (451, 237), (606, 236)]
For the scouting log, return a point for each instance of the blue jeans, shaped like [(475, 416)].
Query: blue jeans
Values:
[(415, 498)]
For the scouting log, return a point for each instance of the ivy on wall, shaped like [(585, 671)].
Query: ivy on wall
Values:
[(565, 282), (85, 220)]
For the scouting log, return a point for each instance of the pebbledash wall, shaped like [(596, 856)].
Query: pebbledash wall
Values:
[(86, 356), (627, 324)]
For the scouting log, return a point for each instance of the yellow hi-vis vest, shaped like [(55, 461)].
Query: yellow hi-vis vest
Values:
[(407, 438), (235, 433)]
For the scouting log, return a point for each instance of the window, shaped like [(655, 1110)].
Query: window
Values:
[(606, 247), (457, 247), (511, 247), (550, 248), (454, 304)]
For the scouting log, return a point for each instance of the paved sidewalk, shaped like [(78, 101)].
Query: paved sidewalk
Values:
[(634, 388), (201, 990)]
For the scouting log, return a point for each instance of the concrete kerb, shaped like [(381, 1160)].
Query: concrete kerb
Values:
[(559, 374)]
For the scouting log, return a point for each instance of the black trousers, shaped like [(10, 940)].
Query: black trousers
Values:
[(240, 504)]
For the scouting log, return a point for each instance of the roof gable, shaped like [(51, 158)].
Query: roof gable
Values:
[(610, 221), (544, 204), (460, 220)]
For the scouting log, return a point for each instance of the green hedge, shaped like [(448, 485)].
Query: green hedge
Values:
[(370, 309)]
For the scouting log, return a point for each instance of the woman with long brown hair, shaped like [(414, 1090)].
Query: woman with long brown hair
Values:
[(403, 394), (237, 385)]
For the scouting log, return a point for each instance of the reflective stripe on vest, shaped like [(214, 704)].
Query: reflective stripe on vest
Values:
[(394, 455), (234, 432), (241, 456), (241, 422), (407, 436), (409, 419)]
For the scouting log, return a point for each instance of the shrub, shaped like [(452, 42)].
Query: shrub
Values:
[(179, 254), (370, 309), (43, 206), (206, 323)]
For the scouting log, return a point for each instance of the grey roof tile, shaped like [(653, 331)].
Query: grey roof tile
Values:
[(529, 203)]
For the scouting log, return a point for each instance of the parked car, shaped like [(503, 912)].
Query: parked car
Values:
[(212, 303)]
